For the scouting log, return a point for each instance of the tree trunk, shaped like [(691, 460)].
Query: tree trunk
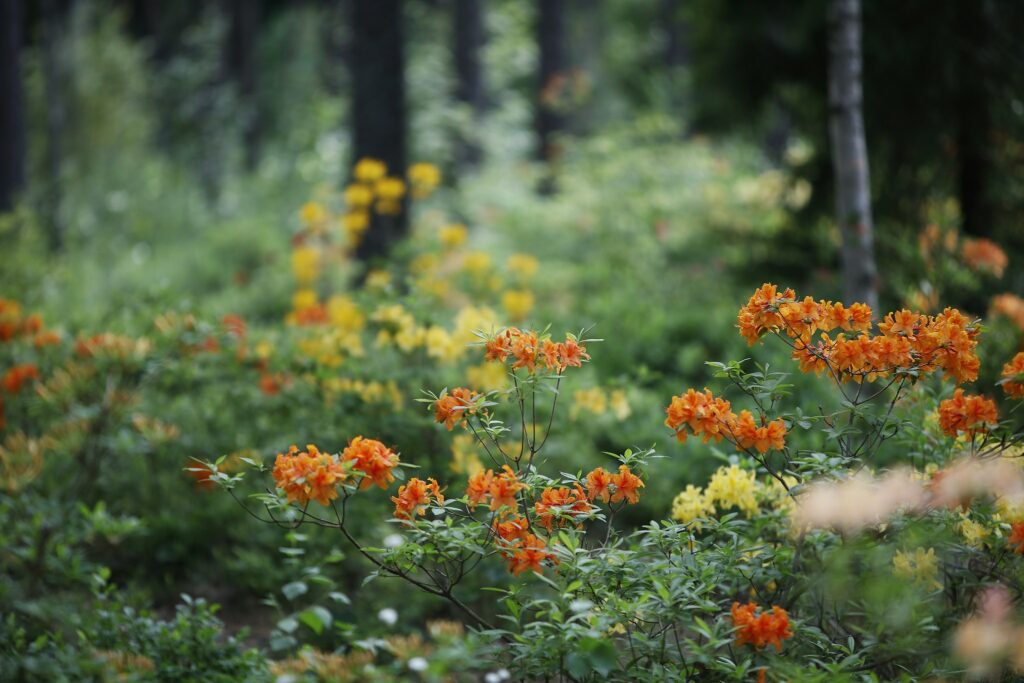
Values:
[(550, 76), (469, 89), (974, 120), (53, 77), (378, 106), (849, 154), (243, 16), (12, 114)]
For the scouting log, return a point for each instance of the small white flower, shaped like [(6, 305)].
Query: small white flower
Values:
[(388, 615), (418, 664), (393, 540), (492, 677), (503, 674)]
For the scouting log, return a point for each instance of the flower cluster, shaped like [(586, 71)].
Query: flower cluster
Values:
[(559, 504), (760, 628), (907, 340), (499, 490), (414, 497), (452, 408), (984, 255), (309, 475), (711, 418), (967, 414), (1012, 380), (373, 459), (16, 377), (527, 350)]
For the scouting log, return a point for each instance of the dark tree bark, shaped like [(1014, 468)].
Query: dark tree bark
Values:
[(378, 106), (244, 18), (53, 77), (550, 76), (849, 154), (469, 89), (974, 119), (12, 114)]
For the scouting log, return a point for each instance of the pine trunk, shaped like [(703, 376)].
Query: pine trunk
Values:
[(550, 76), (378, 106), (12, 114), (469, 90), (849, 154)]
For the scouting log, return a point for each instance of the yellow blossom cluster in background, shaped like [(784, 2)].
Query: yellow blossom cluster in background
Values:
[(921, 566), (599, 401)]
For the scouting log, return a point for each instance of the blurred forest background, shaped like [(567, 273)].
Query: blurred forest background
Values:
[(162, 163)]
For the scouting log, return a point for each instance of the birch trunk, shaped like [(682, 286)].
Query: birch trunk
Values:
[(849, 154)]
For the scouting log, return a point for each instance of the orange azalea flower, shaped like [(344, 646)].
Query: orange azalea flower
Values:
[(813, 357), (552, 355), (46, 338), (17, 376), (903, 323), (761, 314), (760, 630), (234, 324), (965, 413), (454, 407), (413, 498), (500, 348), (269, 384), (1016, 540), (598, 482), (512, 529), (984, 254), (561, 500), (749, 435), (705, 415), (373, 459), (802, 318), (524, 348), (528, 555), (1011, 371), (479, 487), (627, 486), (504, 488), (308, 475), (573, 353)]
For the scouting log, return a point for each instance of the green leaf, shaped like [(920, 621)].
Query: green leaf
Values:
[(316, 618), (294, 589)]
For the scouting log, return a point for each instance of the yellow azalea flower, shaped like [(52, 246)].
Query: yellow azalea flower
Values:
[(358, 196), (264, 349), (424, 263), (424, 177), (487, 377), (303, 299), (523, 266), (370, 170), (465, 456), (974, 533), (313, 214), (472, 319), (441, 346), (453, 235), (619, 405), (390, 189), (476, 263), (922, 566), (378, 279), (305, 264), (592, 400), (690, 504), (345, 313), (517, 303), (734, 487), (355, 223), (408, 338)]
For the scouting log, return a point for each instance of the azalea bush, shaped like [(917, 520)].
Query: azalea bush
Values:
[(878, 535)]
